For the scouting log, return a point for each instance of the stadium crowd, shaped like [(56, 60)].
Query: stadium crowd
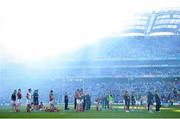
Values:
[(167, 89), (152, 47)]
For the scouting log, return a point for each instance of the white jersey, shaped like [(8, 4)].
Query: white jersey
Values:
[(28, 97)]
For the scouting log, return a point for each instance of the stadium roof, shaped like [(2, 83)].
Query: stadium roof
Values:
[(160, 22)]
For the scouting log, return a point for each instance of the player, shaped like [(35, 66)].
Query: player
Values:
[(29, 98), (36, 99), (97, 102), (138, 102), (150, 97), (19, 97), (158, 101), (42, 107), (66, 99), (78, 96), (144, 101), (13, 101), (110, 102), (133, 101), (127, 101), (75, 100), (51, 100)]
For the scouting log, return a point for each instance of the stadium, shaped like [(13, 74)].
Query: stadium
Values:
[(144, 57)]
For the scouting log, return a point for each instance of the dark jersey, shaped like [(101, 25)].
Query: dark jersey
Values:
[(65, 98), (157, 99), (133, 98), (150, 97), (51, 97), (35, 96), (13, 97), (126, 97)]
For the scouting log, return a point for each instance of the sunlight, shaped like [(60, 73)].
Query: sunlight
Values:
[(34, 30)]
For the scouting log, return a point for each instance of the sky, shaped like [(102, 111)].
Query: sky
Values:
[(32, 30)]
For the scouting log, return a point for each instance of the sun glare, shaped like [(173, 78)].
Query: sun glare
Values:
[(32, 30)]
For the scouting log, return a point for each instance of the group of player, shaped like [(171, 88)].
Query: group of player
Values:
[(139, 101), (83, 101), (32, 101), (16, 100)]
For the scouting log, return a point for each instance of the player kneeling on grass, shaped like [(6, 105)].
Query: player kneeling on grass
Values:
[(13, 101), (42, 107), (28, 97), (19, 97)]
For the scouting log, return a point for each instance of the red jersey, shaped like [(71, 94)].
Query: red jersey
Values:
[(19, 95), (51, 97), (78, 95)]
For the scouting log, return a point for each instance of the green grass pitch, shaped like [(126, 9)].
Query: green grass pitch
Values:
[(171, 112)]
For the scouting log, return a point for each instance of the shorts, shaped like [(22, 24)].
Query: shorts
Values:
[(19, 101), (124, 102), (110, 102), (13, 103), (144, 102), (150, 103), (133, 103), (36, 102), (138, 103), (127, 103), (78, 101), (28, 102), (51, 102)]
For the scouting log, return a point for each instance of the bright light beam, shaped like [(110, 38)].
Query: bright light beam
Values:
[(38, 29)]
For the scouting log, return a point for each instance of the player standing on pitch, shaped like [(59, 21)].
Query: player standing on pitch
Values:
[(66, 99), (110, 98), (133, 100), (51, 100), (127, 101), (19, 97), (36, 99), (158, 101), (28, 97), (150, 97), (13, 101)]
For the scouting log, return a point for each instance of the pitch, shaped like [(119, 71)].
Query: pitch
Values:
[(118, 112)]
